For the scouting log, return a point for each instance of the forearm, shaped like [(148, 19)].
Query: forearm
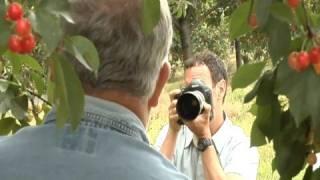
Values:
[(169, 144), (211, 165), (212, 168)]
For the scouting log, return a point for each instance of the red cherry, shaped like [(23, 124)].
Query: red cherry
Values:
[(15, 43), (23, 27), (28, 43), (253, 23), (314, 55), (293, 61), (15, 11), (303, 60), (293, 3)]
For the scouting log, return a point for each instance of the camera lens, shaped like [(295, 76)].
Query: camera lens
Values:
[(190, 105)]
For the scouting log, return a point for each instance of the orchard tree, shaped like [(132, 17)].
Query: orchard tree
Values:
[(35, 72), (286, 92), (204, 25)]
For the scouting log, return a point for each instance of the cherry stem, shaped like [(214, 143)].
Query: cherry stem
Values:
[(307, 26), (250, 9)]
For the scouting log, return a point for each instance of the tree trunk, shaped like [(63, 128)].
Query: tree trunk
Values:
[(238, 53), (185, 38)]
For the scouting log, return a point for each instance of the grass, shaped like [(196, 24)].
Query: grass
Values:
[(236, 110)]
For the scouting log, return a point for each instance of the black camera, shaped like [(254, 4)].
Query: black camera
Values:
[(191, 100)]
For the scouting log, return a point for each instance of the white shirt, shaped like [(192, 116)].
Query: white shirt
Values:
[(233, 147)]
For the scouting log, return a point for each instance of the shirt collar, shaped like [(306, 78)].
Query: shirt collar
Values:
[(105, 108), (218, 138)]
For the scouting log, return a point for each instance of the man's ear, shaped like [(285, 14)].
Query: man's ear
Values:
[(221, 87), (161, 82)]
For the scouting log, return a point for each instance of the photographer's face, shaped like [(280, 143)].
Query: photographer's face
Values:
[(198, 72), (202, 72)]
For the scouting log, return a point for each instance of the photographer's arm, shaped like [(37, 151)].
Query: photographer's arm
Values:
[(211, 165), (169, 144)]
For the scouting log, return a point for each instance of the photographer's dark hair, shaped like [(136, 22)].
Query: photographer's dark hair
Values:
[(214, 64)]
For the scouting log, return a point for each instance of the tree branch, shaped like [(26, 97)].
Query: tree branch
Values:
[(38, 96)]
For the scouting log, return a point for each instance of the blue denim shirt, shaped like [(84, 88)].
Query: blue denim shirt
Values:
[(110, 143)]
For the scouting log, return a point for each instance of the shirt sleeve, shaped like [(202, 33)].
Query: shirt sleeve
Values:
[(243, 160), (162, 135)]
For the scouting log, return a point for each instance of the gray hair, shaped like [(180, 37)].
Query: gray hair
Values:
[(130, 60)]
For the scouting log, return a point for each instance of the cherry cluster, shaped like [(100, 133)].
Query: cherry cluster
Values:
[(23, 41), (300, 61)]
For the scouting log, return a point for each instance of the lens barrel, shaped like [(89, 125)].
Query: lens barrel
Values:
[(190, 105)]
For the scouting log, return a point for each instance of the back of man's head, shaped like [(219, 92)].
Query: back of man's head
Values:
[(130, 60)]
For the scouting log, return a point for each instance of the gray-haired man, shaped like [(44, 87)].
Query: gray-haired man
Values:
[(111, 142)]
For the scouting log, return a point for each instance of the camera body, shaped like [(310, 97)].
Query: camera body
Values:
[(190, 102)]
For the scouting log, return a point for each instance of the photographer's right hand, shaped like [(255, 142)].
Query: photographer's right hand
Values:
[(173, 116)]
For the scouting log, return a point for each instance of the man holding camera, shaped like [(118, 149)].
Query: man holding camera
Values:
[(200, 139)]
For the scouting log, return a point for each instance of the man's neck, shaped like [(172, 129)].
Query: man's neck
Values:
[(135, 104), (216, 122)]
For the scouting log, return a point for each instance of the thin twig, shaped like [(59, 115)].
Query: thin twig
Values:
[(38, 96)]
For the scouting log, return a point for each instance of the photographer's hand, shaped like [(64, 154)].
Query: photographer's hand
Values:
[(168, 146), (173, 116), (201, 125)]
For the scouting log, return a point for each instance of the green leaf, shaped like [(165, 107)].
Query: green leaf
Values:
[(49, 27), (254, 109), (279, 43), (316, 174), (3, 85), (253, 93), (265, 92), (239, 21), (150, 15), (38, 82), (257, 137), (18, 60), (60, 8), (5, 30), (302, 90), (268, 118), (290, 147), (69, 97), (7, 125), (262, 11), (19, 106), (315, 19), (300, 14), (247, 74), (308, 173), (51, 91), (296, 44), (267, 76), (84, 50), (5, 102), (290, 159), (282, 12)]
